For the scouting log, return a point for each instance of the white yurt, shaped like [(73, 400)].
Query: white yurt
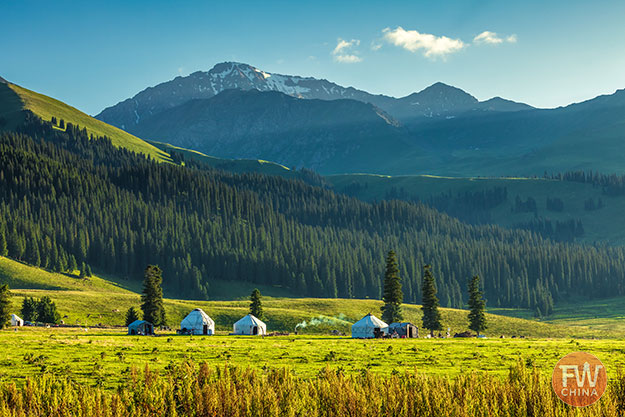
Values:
[(250, 325), (366, 327), (197, 322), (16, 321)]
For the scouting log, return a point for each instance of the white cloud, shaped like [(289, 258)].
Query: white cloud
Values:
[(347, 59), (491, 38), (343, 45), (376, 45), (344, 51), (432, 46)]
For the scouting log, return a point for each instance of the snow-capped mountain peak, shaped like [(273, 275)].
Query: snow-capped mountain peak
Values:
[(436, 100)]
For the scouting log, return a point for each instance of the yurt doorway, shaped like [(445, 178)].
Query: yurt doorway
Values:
[(205, 329), (410, 334), (255, 330)]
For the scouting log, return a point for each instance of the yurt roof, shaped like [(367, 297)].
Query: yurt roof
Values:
[(197, 317), (138, 323), (370, 321), (250, 320)]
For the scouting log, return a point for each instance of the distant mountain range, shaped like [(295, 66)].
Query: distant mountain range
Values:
[(312, 133), (238, 111), (437, 100)]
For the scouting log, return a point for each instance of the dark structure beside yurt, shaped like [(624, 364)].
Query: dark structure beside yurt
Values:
[(141, 328), (407, 330)]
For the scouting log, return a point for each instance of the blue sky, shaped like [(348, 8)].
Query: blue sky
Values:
[(93, 54)]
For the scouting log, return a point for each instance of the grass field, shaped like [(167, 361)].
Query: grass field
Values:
[(53, 369), (14, 99), (599, 225), (106, 355)]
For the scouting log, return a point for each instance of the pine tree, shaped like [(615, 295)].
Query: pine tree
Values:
[(71, 264), (131, 315), (152, 297), (4, 251), (256, 304), (83, 270), (46, 311), (5, 305), (88, 271), (431, 315), (392, 295), (29, 309), (59, 264), (477, 319)]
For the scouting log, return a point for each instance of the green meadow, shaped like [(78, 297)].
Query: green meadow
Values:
[(106, 356), (97, 351)]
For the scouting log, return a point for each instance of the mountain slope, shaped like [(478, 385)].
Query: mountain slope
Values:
[(16, 100), (435, 100), (328, 136), (467, 198), (231, 165), (584, 136)]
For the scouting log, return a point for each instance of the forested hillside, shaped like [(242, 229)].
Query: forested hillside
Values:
[(66, 199), (574, 206)]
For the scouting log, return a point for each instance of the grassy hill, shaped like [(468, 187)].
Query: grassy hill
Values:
[(96, 300), (232, 165), (599, 225), (14, 100)]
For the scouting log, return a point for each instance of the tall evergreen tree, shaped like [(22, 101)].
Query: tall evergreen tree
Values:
[(152, 297), (72, 264), (477, 318), (46, 311), (5, 305), (131, 315), (431, 315), (392, 295), (256, 304), (31, 254), (29, 309), (4, 251)]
